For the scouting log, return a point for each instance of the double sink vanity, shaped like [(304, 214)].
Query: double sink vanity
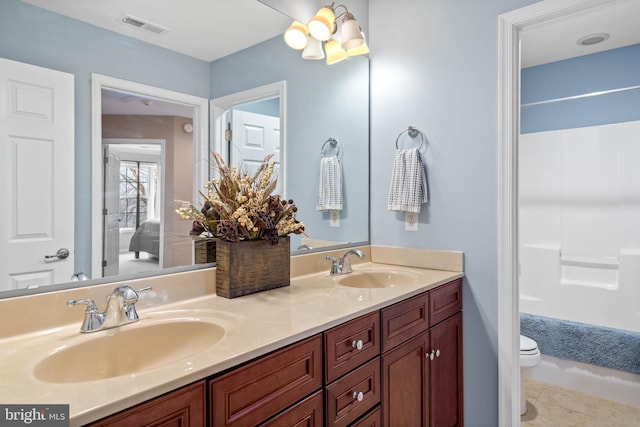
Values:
[(379, 346)]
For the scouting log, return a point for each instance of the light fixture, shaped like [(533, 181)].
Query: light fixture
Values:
[(363, 49), (335, 52), (592, 39), (313, 49), (322, 27), (350, 33), (296, 36)]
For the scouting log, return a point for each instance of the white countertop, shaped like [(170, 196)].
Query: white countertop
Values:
[(254, 325)]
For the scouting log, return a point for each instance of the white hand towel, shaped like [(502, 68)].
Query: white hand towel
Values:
[(409, 188), (329, 184)]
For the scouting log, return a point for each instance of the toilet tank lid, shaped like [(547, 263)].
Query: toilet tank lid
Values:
[(527, 343)]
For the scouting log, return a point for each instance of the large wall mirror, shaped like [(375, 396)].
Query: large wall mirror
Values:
[(151, 169)]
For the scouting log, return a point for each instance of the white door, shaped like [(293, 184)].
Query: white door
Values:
[(110, 262), (36, 175), (254, 137)]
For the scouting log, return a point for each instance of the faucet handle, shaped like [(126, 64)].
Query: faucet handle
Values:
[(91, 305), (128, 294), (335, 265)]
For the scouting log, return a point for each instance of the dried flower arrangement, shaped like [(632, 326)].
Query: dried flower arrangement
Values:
[(237, 206)]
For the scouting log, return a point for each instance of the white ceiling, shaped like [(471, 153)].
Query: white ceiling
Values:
[(553, 41), (204, 29)]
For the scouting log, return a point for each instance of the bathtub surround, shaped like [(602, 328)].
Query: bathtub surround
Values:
[(597, 345), (579, 241)]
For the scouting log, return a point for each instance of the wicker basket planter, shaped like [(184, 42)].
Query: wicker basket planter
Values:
[(251, 266)]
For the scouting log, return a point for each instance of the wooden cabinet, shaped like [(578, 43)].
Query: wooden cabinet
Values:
[(399, 366), (446, 373), (422, 376), (252, 393), (308, 413), (184, 407)]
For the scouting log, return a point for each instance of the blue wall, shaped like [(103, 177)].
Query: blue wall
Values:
[(434, 65), (612, 69), (36, 36)]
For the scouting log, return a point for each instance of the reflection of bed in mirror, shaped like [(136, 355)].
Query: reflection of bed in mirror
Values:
[(146, 238)]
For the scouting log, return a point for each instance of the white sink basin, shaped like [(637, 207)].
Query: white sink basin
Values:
[(383, 278), (128, 349)]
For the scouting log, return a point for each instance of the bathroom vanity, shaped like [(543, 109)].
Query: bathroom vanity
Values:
[(379, 346), (402, 363)]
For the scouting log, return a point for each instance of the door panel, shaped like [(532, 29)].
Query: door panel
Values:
[(36, 175)]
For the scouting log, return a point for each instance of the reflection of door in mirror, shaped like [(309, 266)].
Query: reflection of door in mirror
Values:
[(36, 176), (255, 134)]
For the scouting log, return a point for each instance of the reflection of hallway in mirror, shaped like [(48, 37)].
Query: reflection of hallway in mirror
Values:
[(129, 264)]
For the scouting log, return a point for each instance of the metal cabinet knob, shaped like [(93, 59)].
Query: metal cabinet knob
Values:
[(431, 355), (61, 254), (358, 395), (437, 353), (357, 344)]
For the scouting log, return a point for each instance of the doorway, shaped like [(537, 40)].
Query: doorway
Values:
[(175, 122)]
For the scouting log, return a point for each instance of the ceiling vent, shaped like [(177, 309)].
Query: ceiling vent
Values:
[(143, 25)]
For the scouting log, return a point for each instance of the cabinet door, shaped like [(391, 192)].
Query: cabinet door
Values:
[(405, 384), (255, 392), (184, 407), (446, 373), (308, 413)]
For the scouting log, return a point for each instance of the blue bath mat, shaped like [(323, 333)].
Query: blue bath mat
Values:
[(595, 345)]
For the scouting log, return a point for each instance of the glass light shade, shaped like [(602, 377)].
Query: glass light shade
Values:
[(321, 25), (335, 52), (296, 36), (363, 49), (313, 49), (350, 33)]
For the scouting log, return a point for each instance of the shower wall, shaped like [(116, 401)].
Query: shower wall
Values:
[(579, 213)]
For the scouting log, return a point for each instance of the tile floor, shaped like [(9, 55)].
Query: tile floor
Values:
[(552, 406)]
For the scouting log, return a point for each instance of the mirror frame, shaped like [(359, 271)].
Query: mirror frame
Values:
[(200, 152)]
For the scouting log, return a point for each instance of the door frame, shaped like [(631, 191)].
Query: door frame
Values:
[(200, 146), (509, 27), (219, 106)]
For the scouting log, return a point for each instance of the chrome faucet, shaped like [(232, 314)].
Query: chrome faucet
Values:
[(342, 265), (120, 309)]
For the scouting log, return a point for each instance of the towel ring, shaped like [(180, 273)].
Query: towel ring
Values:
[(412, 132), (334, 144)]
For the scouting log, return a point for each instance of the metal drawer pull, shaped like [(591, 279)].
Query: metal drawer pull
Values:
[(357, 344), (358, 395)]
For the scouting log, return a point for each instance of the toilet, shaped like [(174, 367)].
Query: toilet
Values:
[(529, 357)]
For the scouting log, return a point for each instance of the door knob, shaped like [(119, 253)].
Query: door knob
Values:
[(61, 254)]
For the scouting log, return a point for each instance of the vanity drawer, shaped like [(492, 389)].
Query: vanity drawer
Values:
[(308, 413), (404, 320), (354, 394), (445, 301), (351, 344), (372, 419), (254, 392)]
